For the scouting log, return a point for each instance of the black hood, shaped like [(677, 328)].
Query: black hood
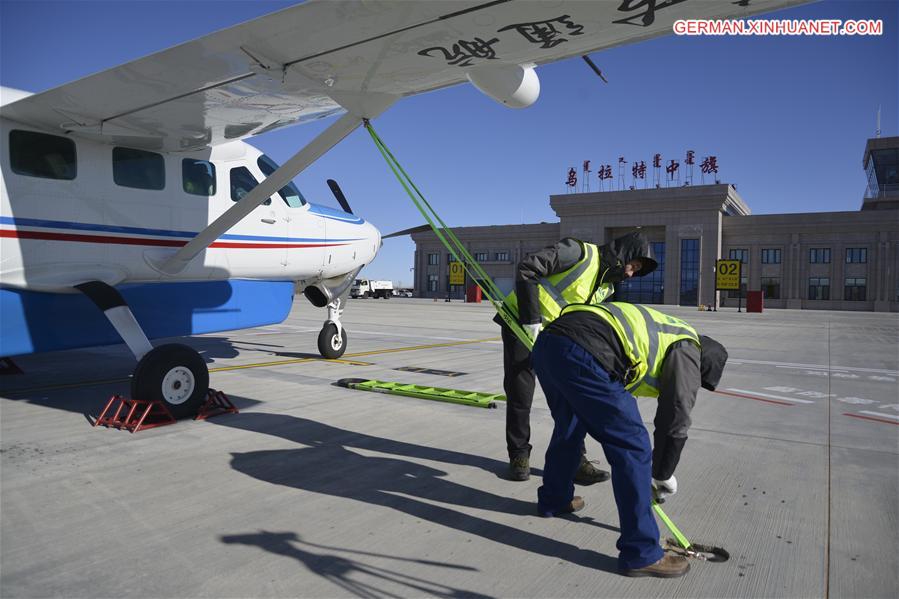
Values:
[(629, 247), (712, 359)]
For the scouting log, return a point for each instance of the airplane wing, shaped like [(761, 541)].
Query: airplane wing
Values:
[(325, 56)]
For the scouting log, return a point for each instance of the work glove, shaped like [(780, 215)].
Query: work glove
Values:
[(532, 330), (662, 489)]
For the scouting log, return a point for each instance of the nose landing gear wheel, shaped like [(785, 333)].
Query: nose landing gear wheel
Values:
[(330, 344), (174, 374)]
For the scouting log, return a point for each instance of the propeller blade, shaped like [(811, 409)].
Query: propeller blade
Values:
[(409, 231), (341, 199)]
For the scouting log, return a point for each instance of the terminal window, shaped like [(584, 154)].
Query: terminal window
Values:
[(432, 282), (771, 287), (481, 256), (433, 259), (450, 258), (771, 256), (855, 288), (689, 272), (819, 288), (856, 255), (502, 256), (742, 255), (819, 255)]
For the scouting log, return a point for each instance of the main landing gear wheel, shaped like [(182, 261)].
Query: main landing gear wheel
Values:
[(330, 344), (174, 374)]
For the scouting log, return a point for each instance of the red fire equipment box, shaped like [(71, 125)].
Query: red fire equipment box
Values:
[(473, 295), (755, 301)]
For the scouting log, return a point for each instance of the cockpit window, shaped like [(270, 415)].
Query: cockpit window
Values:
[(289, 193), (242, 182)]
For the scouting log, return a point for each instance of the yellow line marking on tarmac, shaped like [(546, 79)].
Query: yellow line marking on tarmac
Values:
[(263, 364), (294, 361), (416, 347)]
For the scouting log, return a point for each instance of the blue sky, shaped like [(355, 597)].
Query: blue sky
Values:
[(786, 117)]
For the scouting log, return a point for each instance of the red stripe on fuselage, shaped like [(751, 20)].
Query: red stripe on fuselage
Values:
[(152, 242)]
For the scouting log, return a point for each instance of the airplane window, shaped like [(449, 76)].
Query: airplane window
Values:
[(40, 155), (242, 182), (198, 177), (138, 169), (289, 193)]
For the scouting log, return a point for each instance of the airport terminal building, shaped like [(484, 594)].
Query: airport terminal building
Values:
[(819, 260)]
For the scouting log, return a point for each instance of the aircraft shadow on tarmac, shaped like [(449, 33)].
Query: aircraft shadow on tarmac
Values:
[(328, 467), (349, 574)]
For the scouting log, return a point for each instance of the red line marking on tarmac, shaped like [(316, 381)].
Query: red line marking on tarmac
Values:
[(774, 401), (870, 418)]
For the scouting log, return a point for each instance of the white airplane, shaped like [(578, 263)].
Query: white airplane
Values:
[(132, 209)]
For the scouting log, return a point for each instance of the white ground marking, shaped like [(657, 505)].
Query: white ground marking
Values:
[(818, 366), (769, 395)]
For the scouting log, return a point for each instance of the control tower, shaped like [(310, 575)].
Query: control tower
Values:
[(881, 164)]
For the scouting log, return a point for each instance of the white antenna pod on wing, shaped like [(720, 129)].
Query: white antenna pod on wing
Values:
[(511, 85)]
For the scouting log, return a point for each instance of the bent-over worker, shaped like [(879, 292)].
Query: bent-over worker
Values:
[(589, 362)]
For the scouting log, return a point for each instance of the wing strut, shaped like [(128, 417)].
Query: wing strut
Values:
[(278, 179)]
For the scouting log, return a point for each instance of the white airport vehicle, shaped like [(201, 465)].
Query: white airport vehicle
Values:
[(365, 288), (132, 209)]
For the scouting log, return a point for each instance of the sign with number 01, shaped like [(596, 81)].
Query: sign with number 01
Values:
[(727, 274), (457, 273)]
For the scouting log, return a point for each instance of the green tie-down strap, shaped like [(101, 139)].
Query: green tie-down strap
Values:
[(491, 292), (451, 242), (674, 529), (468, 398)]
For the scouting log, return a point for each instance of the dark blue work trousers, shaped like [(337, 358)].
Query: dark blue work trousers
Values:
[(584, 400)]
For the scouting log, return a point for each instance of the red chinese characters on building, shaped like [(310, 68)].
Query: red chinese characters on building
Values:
[(657, 161), (672, 167), (690, 157), (639, 170), (709, 164), (605, 172), (572, 178)]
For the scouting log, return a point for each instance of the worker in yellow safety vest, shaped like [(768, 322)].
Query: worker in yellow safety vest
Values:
[(570, 272), (591, 361)]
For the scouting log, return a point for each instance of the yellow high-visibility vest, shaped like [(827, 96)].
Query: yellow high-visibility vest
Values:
[(577, 285), (645, 335)]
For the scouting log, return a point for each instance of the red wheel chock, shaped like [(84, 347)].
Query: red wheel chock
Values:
[(216, 403), (134, 414)]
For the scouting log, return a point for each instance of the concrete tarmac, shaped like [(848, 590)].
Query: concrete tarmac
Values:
[(314, 490)]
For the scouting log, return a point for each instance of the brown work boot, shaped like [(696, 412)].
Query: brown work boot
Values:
[(575, 505), (670, 566), (587, 473), (519, 468)]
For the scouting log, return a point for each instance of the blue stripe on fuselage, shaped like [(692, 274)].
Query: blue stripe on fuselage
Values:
[(33, 322), (334, 214)]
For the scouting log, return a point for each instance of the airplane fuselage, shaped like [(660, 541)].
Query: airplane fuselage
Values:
[(78, 211)]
